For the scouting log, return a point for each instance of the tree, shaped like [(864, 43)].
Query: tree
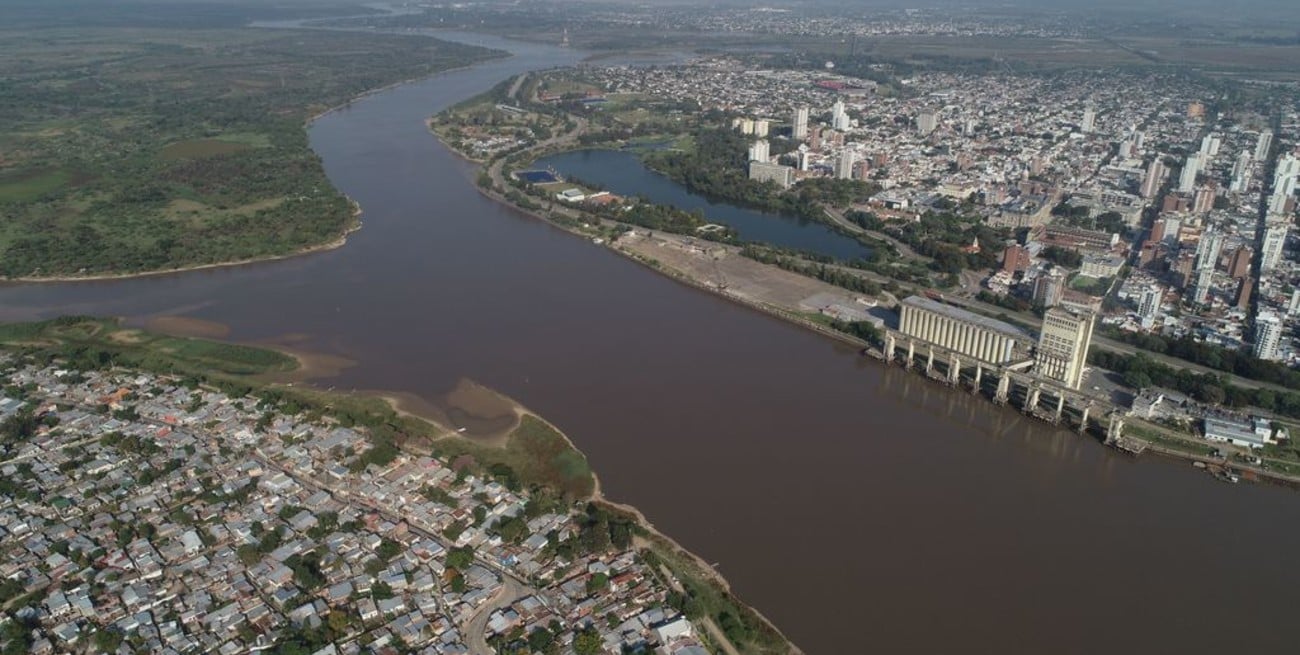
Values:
[(388, 549), (1137, 379), (107, 639), (587, 642), (270, 540), (539, 639), (1210, 393), (459, 558), (597, 582), (457, 582), (338, 622), (249, 554)]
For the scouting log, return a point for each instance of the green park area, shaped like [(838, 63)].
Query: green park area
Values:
[(134, 149)]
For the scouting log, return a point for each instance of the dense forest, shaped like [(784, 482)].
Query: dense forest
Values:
[(127, 150)]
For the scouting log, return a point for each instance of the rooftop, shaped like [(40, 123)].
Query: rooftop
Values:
[(964, 316)]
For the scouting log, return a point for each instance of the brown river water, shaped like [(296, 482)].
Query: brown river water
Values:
[(860, 508)]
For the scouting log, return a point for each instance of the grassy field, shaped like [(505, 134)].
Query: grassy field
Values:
[(1090, 285), (32, 184), (538, 455), (127, 149), (89, 337), (200, 148)]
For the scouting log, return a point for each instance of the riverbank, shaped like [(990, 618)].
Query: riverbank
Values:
[(510, 449), (464, 156), (338, 242), (720, 270), (51, 341), (684, 563), (344, 105)]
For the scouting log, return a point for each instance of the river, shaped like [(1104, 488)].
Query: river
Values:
[(861, 508), (623, 173)]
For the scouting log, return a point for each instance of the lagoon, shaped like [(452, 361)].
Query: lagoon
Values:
[(622, 172)]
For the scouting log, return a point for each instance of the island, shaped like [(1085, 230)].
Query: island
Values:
[(127, 150)]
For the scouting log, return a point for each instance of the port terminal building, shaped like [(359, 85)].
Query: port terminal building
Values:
[(1062, 352), (960, 331)]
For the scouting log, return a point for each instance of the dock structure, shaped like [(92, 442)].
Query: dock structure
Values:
[(1031, 398), (1025, 368), (1004, 387), (1116, 439), (1114, 428), (1014, 381), (1130, 445)]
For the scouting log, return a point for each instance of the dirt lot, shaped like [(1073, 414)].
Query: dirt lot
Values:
[(716, 265)]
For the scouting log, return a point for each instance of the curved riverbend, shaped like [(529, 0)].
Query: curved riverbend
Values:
[(860, 508)]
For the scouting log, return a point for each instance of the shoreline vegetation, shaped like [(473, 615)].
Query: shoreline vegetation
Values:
[(338, 242), (493, 183), (175, 184), (529, 452)]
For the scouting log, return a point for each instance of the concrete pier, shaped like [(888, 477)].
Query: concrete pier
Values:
[(1031, 399), (1012, 377), (1115, 429)]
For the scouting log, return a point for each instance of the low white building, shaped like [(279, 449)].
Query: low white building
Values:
[(1255, 433)]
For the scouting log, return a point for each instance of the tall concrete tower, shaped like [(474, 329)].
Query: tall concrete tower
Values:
[(839, 117), (1063, 345), (1155, 175), (1268, 335), (1275, 234), (1187, 179), (1263, 145), (927, 121), (800, 122), (844, 165), (1149, 306)]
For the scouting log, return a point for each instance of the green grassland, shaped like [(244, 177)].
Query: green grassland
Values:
[(536, 453), (127, 150), (103, 341)]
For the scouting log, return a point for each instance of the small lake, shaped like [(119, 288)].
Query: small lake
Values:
[(623, 173)]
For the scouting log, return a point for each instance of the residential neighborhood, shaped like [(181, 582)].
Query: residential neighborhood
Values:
[(143, 514)]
